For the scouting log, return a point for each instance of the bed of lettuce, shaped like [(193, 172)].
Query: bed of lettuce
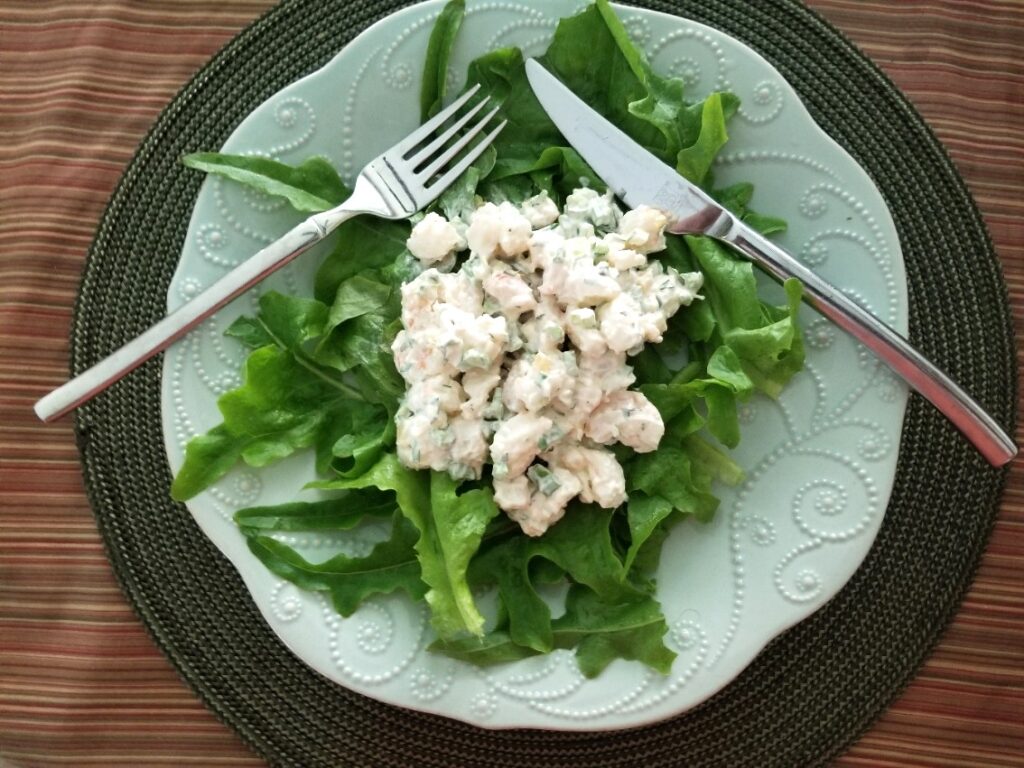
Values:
[(320, 377)]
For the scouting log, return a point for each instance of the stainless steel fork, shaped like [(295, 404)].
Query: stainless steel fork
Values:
[(395, 185)]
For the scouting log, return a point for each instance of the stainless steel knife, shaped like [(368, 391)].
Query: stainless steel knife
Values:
[(638, 177)]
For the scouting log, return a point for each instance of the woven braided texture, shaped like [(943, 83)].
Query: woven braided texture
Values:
[(810, 693)]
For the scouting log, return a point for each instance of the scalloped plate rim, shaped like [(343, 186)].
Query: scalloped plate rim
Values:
[(238, 555)]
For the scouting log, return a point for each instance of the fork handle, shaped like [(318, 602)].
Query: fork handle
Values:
[(894, 350), (91, 382)]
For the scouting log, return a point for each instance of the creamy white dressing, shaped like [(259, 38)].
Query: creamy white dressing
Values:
[(519, 358)]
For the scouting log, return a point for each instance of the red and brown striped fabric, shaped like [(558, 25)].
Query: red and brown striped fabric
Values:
[(80, 82)]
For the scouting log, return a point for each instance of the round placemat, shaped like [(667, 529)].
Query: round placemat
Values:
[(810, 694)]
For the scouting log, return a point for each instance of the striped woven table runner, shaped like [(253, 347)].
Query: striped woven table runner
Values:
[(81, 683)]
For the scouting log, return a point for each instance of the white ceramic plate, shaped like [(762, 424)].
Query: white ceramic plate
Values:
[(820, 461)]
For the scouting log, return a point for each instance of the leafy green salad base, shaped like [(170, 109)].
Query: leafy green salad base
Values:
[(320, 377)]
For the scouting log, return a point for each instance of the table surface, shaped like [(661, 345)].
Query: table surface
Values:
[(81, 682)]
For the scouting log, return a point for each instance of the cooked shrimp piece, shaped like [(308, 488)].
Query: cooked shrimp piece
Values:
[(517, 442), (629, 418)]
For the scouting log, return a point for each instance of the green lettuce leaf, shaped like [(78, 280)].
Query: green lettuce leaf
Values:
[(439, 50), (608, 615), (250, 332), (295, 396), (450, 527), (766, 340), (502, 76), (737, 343), (594, 55), (737, 199), (359, 295), (772, 354), (365, 341), (645, 515), (369, 432), (357, 328), (208, 457), (311, 187), (729, 285), (460, 199), (694, 161), (362, 243), (668, 473), (390, 566), (279, 409), (600, 631), (580, 545), (291, 321), (556, 170), (341, 513)]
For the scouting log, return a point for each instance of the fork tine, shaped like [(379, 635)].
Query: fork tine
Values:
[(427, 152), (453, 151), (423, 132), (466, 161)]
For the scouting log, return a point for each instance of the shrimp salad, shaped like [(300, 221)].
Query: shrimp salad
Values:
[(518, 358)]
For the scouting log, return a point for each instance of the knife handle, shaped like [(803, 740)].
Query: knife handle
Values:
[(891, 348), (122, 361)]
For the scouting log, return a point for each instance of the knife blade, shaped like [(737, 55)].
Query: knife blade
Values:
[(637, 177)]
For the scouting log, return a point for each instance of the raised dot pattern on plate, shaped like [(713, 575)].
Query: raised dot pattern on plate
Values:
[(819, 460)]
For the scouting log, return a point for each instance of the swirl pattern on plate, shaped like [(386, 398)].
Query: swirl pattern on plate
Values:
[(820, 460)]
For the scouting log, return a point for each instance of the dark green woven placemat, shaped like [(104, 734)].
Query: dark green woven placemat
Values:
[(810, 694)]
